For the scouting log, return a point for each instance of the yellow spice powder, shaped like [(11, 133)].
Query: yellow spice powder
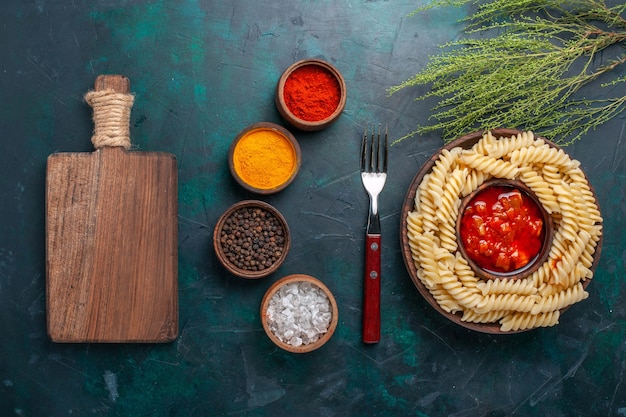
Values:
[(264, 158)]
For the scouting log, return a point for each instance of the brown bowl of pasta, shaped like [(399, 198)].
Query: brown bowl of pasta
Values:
[(435, 256)]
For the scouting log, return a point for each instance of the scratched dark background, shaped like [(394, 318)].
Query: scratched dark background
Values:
[(201, 72)]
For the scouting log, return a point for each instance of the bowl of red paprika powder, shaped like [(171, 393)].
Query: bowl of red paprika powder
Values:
[(311, 94)]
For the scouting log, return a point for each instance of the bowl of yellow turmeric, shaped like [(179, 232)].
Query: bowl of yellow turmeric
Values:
[(264, 158)]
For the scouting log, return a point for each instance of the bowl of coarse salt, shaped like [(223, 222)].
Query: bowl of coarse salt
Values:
[(299, 313)]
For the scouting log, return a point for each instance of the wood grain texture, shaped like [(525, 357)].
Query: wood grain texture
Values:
[(371, 289), (119, 83), (112, 244), (112, 247)]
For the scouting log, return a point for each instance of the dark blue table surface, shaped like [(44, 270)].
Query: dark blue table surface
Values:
[(201, 72)]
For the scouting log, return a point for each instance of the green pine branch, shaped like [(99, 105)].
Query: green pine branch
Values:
[(522, 64)]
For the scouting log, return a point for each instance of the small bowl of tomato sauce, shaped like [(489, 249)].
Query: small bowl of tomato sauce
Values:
[(503, 230)]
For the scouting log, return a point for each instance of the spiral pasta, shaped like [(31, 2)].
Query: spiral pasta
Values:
[(507, 286), (498, 168), (542, 189), (504, 146), (560, 187), (523, 321), (561, 299)]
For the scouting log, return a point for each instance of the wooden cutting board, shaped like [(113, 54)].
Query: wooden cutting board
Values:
[(111, 234)]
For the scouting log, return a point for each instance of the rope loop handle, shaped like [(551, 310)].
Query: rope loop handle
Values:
[(111, 117)]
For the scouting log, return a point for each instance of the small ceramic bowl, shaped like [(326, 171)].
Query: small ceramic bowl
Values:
[(292, 103), (264, 158), (251, 239), (305, 292), (546, 236)]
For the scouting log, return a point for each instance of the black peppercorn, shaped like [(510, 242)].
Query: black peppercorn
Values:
[(250, 240)]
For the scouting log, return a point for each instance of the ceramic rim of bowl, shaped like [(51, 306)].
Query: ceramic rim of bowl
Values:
[(284, 134)]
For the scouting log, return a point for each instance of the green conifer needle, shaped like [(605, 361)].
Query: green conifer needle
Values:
[(523, 64)]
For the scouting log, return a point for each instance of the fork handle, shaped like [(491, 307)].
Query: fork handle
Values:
[(371, 289)]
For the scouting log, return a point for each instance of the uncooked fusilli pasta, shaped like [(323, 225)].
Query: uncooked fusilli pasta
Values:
[(561, 188)]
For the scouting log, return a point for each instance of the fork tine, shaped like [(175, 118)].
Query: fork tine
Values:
[(363, 147), (370, 153), (375, 149), (385, 150)]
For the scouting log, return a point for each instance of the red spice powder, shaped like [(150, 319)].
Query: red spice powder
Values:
[(312, 93)]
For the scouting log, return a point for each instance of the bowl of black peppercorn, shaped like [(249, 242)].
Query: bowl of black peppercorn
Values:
[(251, 239)]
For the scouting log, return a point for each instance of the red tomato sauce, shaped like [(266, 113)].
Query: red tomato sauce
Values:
[(502, 229)]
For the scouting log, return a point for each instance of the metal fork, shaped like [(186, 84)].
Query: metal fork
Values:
[(373, 176)]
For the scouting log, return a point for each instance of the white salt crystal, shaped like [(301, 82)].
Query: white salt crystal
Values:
[(299, 313)]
